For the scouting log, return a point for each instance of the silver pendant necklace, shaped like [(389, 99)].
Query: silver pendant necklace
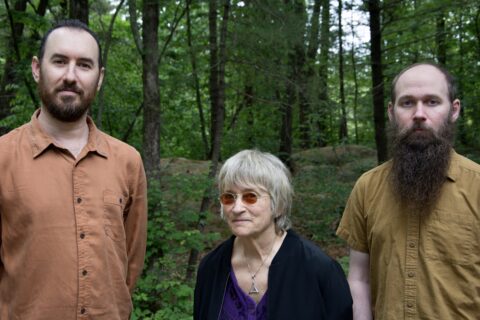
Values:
[(253, 287)]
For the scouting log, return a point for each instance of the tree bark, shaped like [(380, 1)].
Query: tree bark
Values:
[(377, 80), (151, 91)]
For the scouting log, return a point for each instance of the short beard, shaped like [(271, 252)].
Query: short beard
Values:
[(420, 164), (67, 110)]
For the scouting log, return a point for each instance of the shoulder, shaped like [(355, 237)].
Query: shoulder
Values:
[(14, 135), (464, 163), (307, 250), (117, 148), (218, 255), (379, 173)]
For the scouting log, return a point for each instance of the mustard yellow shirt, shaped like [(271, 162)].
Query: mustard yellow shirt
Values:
[(72, 230), (420, 267)]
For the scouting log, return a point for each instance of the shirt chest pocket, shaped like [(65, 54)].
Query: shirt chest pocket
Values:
[(450, 238), (113, 211)]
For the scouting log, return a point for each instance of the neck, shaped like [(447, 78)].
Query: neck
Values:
[(69, 135), (259, 247)]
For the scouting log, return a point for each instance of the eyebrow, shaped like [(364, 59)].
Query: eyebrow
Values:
[(426, 96)]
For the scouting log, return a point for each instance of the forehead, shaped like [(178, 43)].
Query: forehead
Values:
[(73, 43), (420, 81)]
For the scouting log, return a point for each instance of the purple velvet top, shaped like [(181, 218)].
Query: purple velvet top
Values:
[(237, 305)]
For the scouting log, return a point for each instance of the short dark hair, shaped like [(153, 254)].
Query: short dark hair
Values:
[(451, 85), (74, 24)]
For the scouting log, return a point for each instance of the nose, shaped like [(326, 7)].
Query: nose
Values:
[(419, 114), (70, 73), (238, 206)]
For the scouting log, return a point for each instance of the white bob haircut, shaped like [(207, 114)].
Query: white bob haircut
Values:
[(253, 168)]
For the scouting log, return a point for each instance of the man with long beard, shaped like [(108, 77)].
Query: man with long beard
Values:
[(73, 207), (412, 223)]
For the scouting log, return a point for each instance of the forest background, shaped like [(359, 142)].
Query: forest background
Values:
[(307, 80)]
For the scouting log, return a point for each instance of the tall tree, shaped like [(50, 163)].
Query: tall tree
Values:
[(323, 103), (296, 62), (377, 80), (196, 81), (440, 38), (151, 91), (218, 59), (343, 133), (7, 92), (308, 73)]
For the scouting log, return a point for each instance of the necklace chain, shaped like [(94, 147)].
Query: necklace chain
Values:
[(253, 287)]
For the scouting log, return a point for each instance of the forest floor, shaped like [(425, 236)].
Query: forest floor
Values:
[(322, 177)]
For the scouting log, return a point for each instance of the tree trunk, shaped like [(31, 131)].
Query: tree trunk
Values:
[(377, 80), (78, 9), (355, 93), (217, 97), (198, 98), (323, 103), (343, 133), (106, 49), (440, 38), (306, 91), (151, 92), (296, 62)]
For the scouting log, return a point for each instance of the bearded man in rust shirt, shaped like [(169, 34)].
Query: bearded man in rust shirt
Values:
[(412, 223), (73, 207)]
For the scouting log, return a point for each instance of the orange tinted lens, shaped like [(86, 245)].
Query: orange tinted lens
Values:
[(249, 198), (227, 198)]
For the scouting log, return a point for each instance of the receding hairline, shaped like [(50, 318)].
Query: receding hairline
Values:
[(438, 68)]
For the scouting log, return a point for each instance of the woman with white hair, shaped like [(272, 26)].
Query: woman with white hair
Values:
[(265, 270)]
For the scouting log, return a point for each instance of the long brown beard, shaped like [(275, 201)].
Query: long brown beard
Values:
[(420, 163)]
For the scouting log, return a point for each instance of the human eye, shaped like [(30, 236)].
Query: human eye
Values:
[(227, 198), (406, 103), (85, 65), (58, 61), (249, 197), (433, 102)]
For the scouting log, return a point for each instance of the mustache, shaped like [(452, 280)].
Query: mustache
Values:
[(69, 87)]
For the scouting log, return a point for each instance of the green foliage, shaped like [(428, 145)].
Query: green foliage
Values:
[(162, 292)]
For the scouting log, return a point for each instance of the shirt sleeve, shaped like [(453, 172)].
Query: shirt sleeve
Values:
[(136, 225), (353, 225)]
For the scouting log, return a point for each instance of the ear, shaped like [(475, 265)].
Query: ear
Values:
[(390, 111), (100, 78), (35, 69), (456, 106)]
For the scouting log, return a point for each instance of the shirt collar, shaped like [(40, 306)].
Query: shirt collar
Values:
[(41, 141), (452, 172)]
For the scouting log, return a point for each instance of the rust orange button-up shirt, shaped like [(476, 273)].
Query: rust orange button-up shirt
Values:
[(73, 231)]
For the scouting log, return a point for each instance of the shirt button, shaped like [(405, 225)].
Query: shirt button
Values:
[(411, 244), (411, 274), (84, 272), (83, 310), (79, 200), (410, 304), (82, 235)]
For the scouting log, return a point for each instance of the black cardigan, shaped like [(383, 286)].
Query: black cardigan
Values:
[(303, 283)]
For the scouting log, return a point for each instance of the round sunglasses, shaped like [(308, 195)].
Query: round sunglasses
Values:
[(248, 198)]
